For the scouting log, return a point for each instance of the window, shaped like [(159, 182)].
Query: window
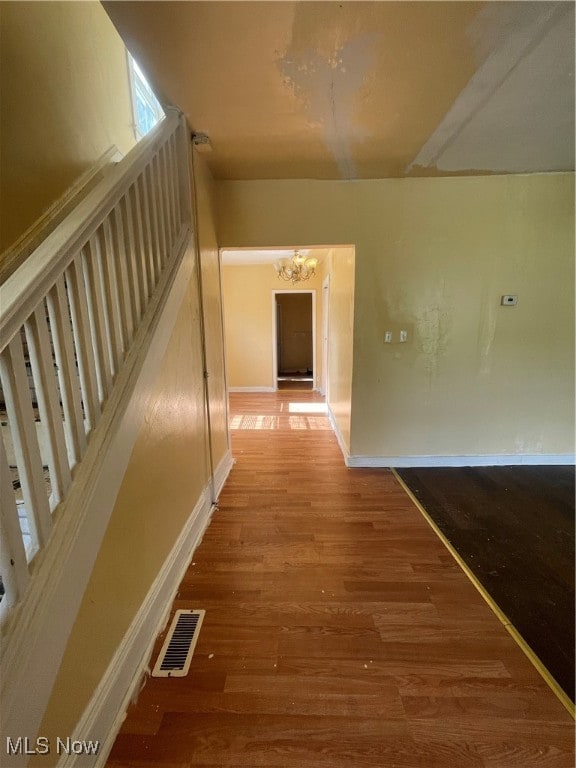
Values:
[(145, 105)]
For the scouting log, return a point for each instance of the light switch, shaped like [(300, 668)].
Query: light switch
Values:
[(509, 300), (388, 337), (403, 336)]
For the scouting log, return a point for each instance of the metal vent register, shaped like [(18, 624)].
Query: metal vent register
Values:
[(176, 654)]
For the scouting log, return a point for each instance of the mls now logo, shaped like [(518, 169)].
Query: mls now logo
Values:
[(22, 745)]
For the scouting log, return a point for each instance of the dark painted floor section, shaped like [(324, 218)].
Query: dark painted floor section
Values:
[(514, 527)]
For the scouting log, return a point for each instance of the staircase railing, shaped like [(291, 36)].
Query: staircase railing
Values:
[(68, 317)]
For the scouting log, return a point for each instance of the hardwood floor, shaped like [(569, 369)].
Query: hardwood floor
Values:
[(339, 631), (514, 527)]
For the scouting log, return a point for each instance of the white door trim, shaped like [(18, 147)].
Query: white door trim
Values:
[(324, 383), (312, 292)]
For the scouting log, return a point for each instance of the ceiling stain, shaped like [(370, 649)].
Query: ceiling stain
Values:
[(329, 87)]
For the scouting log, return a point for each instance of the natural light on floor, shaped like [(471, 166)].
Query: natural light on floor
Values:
[(255, 421), (307, 407)]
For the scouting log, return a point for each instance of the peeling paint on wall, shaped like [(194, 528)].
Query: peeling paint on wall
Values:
[(434, 324), (328, 85), (486, 334), (432, 334)]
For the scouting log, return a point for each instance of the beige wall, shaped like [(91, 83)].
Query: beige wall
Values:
[(247, 292), (434, 256), (65, 102)]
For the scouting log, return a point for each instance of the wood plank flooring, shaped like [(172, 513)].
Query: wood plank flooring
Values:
[(339, 632), (514, 527)]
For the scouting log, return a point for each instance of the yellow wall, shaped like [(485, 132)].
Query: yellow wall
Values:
[(339, 267), (65, 102), (435, 255), (248, 321)]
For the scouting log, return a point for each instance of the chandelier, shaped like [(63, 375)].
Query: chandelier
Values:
[(297, 268)]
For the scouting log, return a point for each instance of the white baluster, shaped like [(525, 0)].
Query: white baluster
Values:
[(83, 341), (123, 286), (132, 260), (166, 197), (25, 441), (154, 220), (144, 212), (174, 176), (167, 152), (92, 267), (160, 210), (183, 161), (13, 565), (142, 261), (44, 373), (67, 373), (111, 295)]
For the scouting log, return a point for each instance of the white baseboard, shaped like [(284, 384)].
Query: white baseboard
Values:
[(222, 471), (259, 389), (105, 713), (483, 460), (339, 438)]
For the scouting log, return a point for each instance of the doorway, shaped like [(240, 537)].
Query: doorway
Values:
[(294, 341)]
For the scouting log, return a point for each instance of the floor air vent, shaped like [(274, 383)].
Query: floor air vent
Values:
[(176, 654)]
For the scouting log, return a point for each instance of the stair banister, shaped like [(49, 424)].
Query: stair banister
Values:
[(68, 317)]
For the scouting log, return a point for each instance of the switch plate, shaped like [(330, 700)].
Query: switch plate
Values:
[(403, 336), (387, 337), (509, 300)]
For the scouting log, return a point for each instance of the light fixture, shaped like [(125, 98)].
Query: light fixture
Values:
[(297, 268)]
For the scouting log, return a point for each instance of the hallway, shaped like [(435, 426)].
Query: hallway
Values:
[(339, 632)]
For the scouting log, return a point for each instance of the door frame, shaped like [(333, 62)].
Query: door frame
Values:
[(324, 380), (312, 292)]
